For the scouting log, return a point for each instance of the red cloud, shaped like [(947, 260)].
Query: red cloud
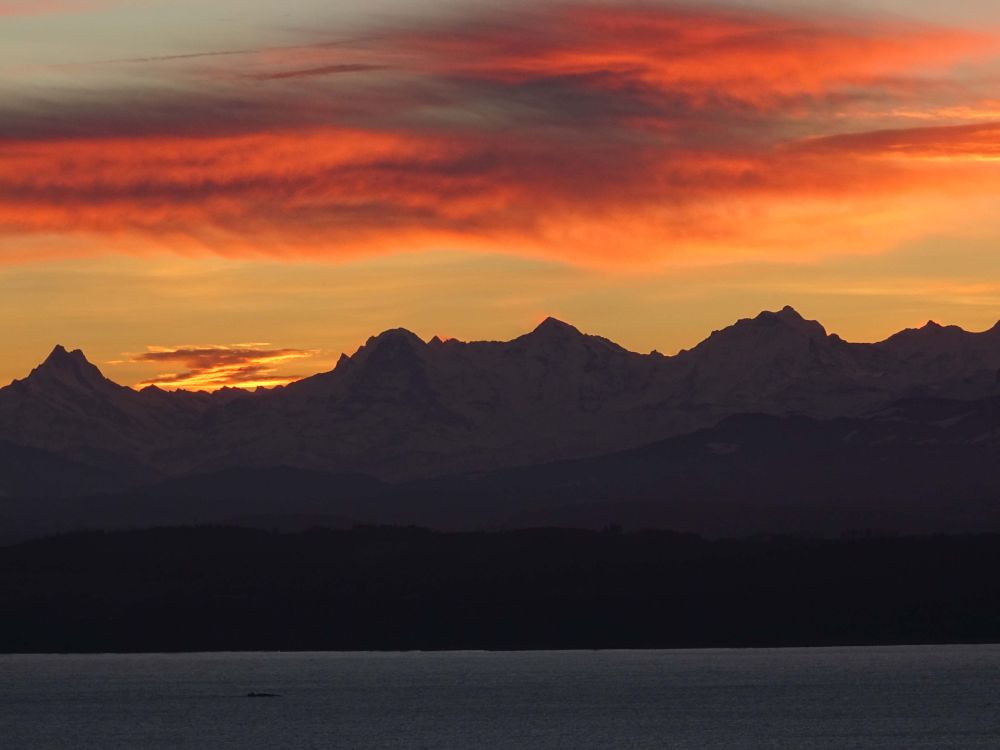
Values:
[(597, 135), (754, 57)]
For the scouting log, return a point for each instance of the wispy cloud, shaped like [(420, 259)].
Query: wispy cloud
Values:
[(213, 367), (322, 70), (954, 143)]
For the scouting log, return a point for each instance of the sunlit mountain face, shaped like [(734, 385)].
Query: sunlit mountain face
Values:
[(204, 196)]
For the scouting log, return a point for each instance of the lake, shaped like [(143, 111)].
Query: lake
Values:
[(899, 698)]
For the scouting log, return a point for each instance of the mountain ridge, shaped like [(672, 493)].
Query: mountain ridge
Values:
[(552, 328), (401, 408)]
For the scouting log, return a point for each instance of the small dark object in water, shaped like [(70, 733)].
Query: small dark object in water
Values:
[(262, 695)]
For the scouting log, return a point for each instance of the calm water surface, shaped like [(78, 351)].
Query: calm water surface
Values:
[(899, 698)]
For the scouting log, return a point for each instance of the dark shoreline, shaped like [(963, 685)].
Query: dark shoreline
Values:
[(385, 589), (417, 651)]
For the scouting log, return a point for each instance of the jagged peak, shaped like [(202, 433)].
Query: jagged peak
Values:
[(782, 321), (791, 317), (60, 355), (551, 330), (767, 331), (395, 335), (390, 346), (929, 329), (70, 367), (61, 358), (932, 326), (553, 333), (789, 313), (553, 325)]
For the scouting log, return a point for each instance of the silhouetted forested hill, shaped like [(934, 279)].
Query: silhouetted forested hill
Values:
[(394, 588)]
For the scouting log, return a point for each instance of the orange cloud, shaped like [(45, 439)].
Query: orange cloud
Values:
[(979, 142), (754, 57), (596, 135), (209, 368)]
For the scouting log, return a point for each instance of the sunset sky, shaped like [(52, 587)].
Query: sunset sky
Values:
[(200, 194)]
